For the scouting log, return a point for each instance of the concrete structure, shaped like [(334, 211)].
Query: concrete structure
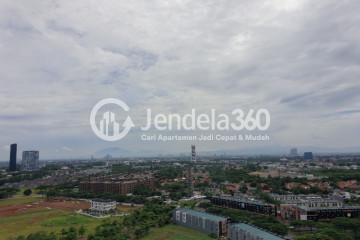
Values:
[(220, 226), (314, 207), (311, 200), (290, 198), (242, 231), (193, 153), (30, 161), (201, 221), (292, 205), (102, 207), (244, 203), (312, 213)]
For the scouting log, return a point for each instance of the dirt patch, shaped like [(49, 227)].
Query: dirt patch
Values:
[(65, 205)]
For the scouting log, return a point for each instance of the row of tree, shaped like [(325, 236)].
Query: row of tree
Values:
[(338, 228), (135, 225), (7, 192), (66, 234), (73, 192)]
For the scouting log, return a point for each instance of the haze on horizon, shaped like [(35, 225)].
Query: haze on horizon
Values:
[(298, 58)]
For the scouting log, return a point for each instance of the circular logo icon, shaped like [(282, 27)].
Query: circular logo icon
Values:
[(109, 129)]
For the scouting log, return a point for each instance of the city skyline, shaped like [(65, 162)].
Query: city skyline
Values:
[(299, 59)]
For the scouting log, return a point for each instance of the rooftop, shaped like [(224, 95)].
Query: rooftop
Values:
[(345, 207), (102, 200), (202, 214), (256, 231), (242, 199)]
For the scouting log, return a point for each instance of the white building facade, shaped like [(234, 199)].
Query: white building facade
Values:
[(102, 206)]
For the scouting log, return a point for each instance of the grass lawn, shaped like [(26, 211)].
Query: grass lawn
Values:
[(174, 232), (19, 198), (40, 219), (126, 209)]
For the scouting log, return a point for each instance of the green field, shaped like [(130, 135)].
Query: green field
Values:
[(53, 220), (42, 220), (174, 232), (33, 220), (19, 199)]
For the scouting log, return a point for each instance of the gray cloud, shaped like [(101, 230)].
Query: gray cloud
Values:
[(299, 59), (55, 26)]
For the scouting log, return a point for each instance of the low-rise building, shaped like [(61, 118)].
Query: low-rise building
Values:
[(312, 207), (242, 231), (201, 221), (102, 206), (349, 184), (220, 226), (312, 213), (310, 200), (291, 198), (244, 203), (122, 187)]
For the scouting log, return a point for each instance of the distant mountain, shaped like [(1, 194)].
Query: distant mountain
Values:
[(250, 151), (277, 150), (113, 151), (120, 152)]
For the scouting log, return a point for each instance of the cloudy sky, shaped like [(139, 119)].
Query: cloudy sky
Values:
[(299, 59)]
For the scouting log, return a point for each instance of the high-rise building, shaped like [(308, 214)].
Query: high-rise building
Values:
[(293, 152), (30, 161), (193, 153), (308, 156), (12, 163), (189, 171)]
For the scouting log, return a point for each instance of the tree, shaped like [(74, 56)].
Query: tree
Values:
[(70, 234), (135, 225), (350, 224), (316, 236), (82, 231), (335, 234), (27, 192), (243, 188), (38, 236), (142, 190), (7, 192)]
